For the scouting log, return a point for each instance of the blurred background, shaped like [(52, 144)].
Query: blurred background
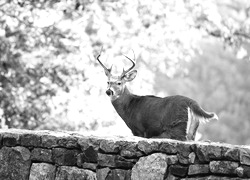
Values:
[(50, 79)]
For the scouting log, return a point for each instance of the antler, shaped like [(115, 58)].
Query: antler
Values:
[(107, 71), (129, 69)]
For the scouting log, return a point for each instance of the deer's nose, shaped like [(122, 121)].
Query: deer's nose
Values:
[(109, 92)]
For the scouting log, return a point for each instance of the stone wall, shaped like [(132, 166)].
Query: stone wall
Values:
[(40, 155)]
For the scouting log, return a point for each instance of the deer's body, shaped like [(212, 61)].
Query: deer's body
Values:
[(151, 116), (174, 117)]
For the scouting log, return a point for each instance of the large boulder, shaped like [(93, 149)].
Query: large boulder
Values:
[(69, 173), (41, 171), (152, 167), (14, 163)]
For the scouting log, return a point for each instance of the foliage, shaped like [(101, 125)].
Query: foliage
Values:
[(49, 78)]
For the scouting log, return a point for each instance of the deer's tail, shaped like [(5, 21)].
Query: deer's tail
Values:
[(196, 115), (202, 115)]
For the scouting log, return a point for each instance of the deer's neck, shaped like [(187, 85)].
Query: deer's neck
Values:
[(127, 107), (123, 105)]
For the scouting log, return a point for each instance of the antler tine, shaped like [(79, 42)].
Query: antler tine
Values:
[(107, 71), (133, 65)]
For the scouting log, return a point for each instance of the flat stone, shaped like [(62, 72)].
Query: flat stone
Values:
[(49, 141), (240, 171), (183, 149), (41, 171), (84, 164), (187, 159), (14, 163), (40, 154), (130, 153), (102, 173), (90, 166), (109, 146), (178, 170), (245, 156), (232, 154), (90, 155), (205, 153), (168, 147), (59, 139), (183, 159), (243, 171), (212, 177), (223, 167), (148, 147), (192, 157), (183, 152), (246, 171), (108, 160), (86, 142), (10, 139), (68, 142), (130, 150), (31, 140), (153, 166), (172, 177), (198, 169), (172, 159), (69, 173), (67, 157), (119, 174)]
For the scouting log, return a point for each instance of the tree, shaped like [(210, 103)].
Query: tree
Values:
[(29, 76), (49, 78)]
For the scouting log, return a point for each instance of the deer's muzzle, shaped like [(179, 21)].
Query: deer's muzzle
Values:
[(109, 92)]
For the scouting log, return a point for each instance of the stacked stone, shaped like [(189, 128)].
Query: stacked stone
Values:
[(35, 155)]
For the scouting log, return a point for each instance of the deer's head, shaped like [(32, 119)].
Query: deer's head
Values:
[(116, 84)]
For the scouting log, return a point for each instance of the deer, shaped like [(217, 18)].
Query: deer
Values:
[(172, 117)]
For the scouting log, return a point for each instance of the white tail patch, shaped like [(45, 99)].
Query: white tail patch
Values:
[(205, 120), (194, 120)]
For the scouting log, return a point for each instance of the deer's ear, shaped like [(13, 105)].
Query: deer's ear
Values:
[(108, 71), (130, 75)]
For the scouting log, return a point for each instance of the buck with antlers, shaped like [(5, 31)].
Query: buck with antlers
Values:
[(175, 117)]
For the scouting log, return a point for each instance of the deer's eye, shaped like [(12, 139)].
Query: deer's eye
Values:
[(119, 83), (108, 83)]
